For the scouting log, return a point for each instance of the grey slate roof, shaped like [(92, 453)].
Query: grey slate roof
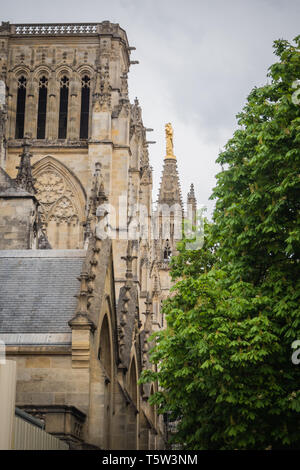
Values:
[(37, 290)]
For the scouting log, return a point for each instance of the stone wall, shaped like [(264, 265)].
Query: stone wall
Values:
[(51, 390), (16, 223)]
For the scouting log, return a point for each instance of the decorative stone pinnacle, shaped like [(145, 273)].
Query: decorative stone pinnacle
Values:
[(169, 141), (156, 286), (148, 303), (191, 193), (81, 319), (83, 295), (129, 259), (24, 177)]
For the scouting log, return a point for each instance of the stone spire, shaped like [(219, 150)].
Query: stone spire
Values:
[(191, 194), (170, 192), (24, 177), (192, 205)]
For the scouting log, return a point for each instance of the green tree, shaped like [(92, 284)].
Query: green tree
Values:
[(224, 361)]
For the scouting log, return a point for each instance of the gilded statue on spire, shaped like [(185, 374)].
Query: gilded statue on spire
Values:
[(169, 141)]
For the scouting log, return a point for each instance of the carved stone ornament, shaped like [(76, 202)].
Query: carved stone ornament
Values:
[(55, 197)]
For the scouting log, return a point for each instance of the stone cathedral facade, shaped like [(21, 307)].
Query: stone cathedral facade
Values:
[(82, 275)]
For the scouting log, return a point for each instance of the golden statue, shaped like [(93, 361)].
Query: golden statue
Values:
[(169, 141)]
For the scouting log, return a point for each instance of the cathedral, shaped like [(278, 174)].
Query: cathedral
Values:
[(84, 253)]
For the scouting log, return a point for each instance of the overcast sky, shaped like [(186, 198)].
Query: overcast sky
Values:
[(199, 59)]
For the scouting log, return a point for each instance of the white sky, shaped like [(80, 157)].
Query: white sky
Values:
[(199, 59)]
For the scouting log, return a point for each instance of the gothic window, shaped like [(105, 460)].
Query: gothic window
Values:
[(167, 252), (42, 108), (63, 107), (85, 107), (62, 203), (21, 100)]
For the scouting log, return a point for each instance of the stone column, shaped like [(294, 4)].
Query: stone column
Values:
[(12, 106), (52, 109), (74, 107), (31, 109)]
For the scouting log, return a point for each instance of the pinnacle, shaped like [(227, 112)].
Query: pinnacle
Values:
[(24, 177), (191, 193)]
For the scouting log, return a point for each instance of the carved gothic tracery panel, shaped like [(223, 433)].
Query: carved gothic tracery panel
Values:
[(56, 199), (62, 203)]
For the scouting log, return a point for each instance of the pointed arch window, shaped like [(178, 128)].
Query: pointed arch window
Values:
[(85, 107), (63, 107), (21, 101), (42, 108)]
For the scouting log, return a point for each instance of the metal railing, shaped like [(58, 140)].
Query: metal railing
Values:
[(27, 436)]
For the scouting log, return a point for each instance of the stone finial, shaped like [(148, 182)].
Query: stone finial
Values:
[(83, 296), (82, 327), (148, 303), (155, 286), (169, 141), (129, 259), (24, 177), (192, 205), (81, 319), (191, 194)]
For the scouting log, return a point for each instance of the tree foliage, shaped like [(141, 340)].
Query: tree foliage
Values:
[(224, 361)]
